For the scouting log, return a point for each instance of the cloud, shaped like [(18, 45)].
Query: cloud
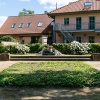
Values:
[(25, 0), (2, 20), (51, 4)]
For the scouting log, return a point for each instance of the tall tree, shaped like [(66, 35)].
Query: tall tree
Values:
[(26, 12)]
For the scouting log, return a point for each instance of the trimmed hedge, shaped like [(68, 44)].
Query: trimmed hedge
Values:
[(35, 48), (65, 48), (2, 48), (94, 48)]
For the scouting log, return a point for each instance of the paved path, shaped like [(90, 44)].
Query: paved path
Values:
[(7, 64), (95, 64)]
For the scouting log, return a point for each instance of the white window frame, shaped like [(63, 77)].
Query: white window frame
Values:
[(13, 25), (28, 24), (40, 24), (21, 25)]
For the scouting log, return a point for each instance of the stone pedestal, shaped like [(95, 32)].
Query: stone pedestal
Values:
[(4, 57), (96, 56)]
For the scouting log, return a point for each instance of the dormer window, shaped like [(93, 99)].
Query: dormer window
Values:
[(21, 25), (87, 4), (28, 24), (13, 25), (40, 24)]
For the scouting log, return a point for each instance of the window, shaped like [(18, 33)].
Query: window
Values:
[(91, 39), (13, 25), (79, 39), (28, 24), (21, 25), (78, 23), (87, 4), (66, 21), (40, 24), (91, 22)]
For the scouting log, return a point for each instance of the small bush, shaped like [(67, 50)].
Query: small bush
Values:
[(8, 38), (2, 48), (79, 48), (22, 49), (11, 49), (94, 48), (35, 48)]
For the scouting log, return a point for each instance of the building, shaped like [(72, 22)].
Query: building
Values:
[(78, 20), (29, 29)]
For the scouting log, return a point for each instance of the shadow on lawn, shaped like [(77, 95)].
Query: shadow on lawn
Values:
[(49, 93)]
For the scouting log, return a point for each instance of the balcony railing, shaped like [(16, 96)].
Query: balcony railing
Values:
[(77, 27)]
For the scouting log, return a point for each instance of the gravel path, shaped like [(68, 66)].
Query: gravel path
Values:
[(7, 64)]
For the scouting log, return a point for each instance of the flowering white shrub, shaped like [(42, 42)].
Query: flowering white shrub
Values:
[(22, 49), (79, 48)]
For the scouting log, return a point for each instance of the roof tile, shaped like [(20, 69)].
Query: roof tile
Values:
[(33, 19), (78, 6)]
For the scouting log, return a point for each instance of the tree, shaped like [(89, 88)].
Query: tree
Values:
[(26, 12)]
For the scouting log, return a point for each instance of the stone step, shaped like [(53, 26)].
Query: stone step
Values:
[(50, 59), (52, 56)]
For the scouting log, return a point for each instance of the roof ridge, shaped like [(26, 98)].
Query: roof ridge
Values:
[(28, 15), (66, 5)]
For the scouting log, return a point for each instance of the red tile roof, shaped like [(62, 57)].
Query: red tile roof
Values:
[(34, 19), (78, 6)]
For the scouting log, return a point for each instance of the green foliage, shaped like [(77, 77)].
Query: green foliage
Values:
[(26, 12), (11, 49), (22, 49), (37, 47), (79, 48), (8, 38), (17, 49), (72, 74), (66, 48), (94, 48), (2, 48), (63, 48)]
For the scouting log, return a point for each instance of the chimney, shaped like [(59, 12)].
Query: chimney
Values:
[(45, 12)]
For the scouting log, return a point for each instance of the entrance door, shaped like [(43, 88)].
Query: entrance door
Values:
[(49, 40), (35, 39), (78, 23)]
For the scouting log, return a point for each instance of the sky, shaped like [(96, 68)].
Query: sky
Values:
[(13, 7)]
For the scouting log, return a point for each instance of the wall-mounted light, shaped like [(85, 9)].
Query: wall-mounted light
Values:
[(84, 34)]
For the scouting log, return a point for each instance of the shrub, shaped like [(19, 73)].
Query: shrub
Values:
[(11, 49), (63, 48), (94, 48), (79, 48), (2, 48), (22, 49), (8, 38), (37, 47)]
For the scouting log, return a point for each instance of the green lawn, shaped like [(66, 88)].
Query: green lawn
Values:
[(62, 73)]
